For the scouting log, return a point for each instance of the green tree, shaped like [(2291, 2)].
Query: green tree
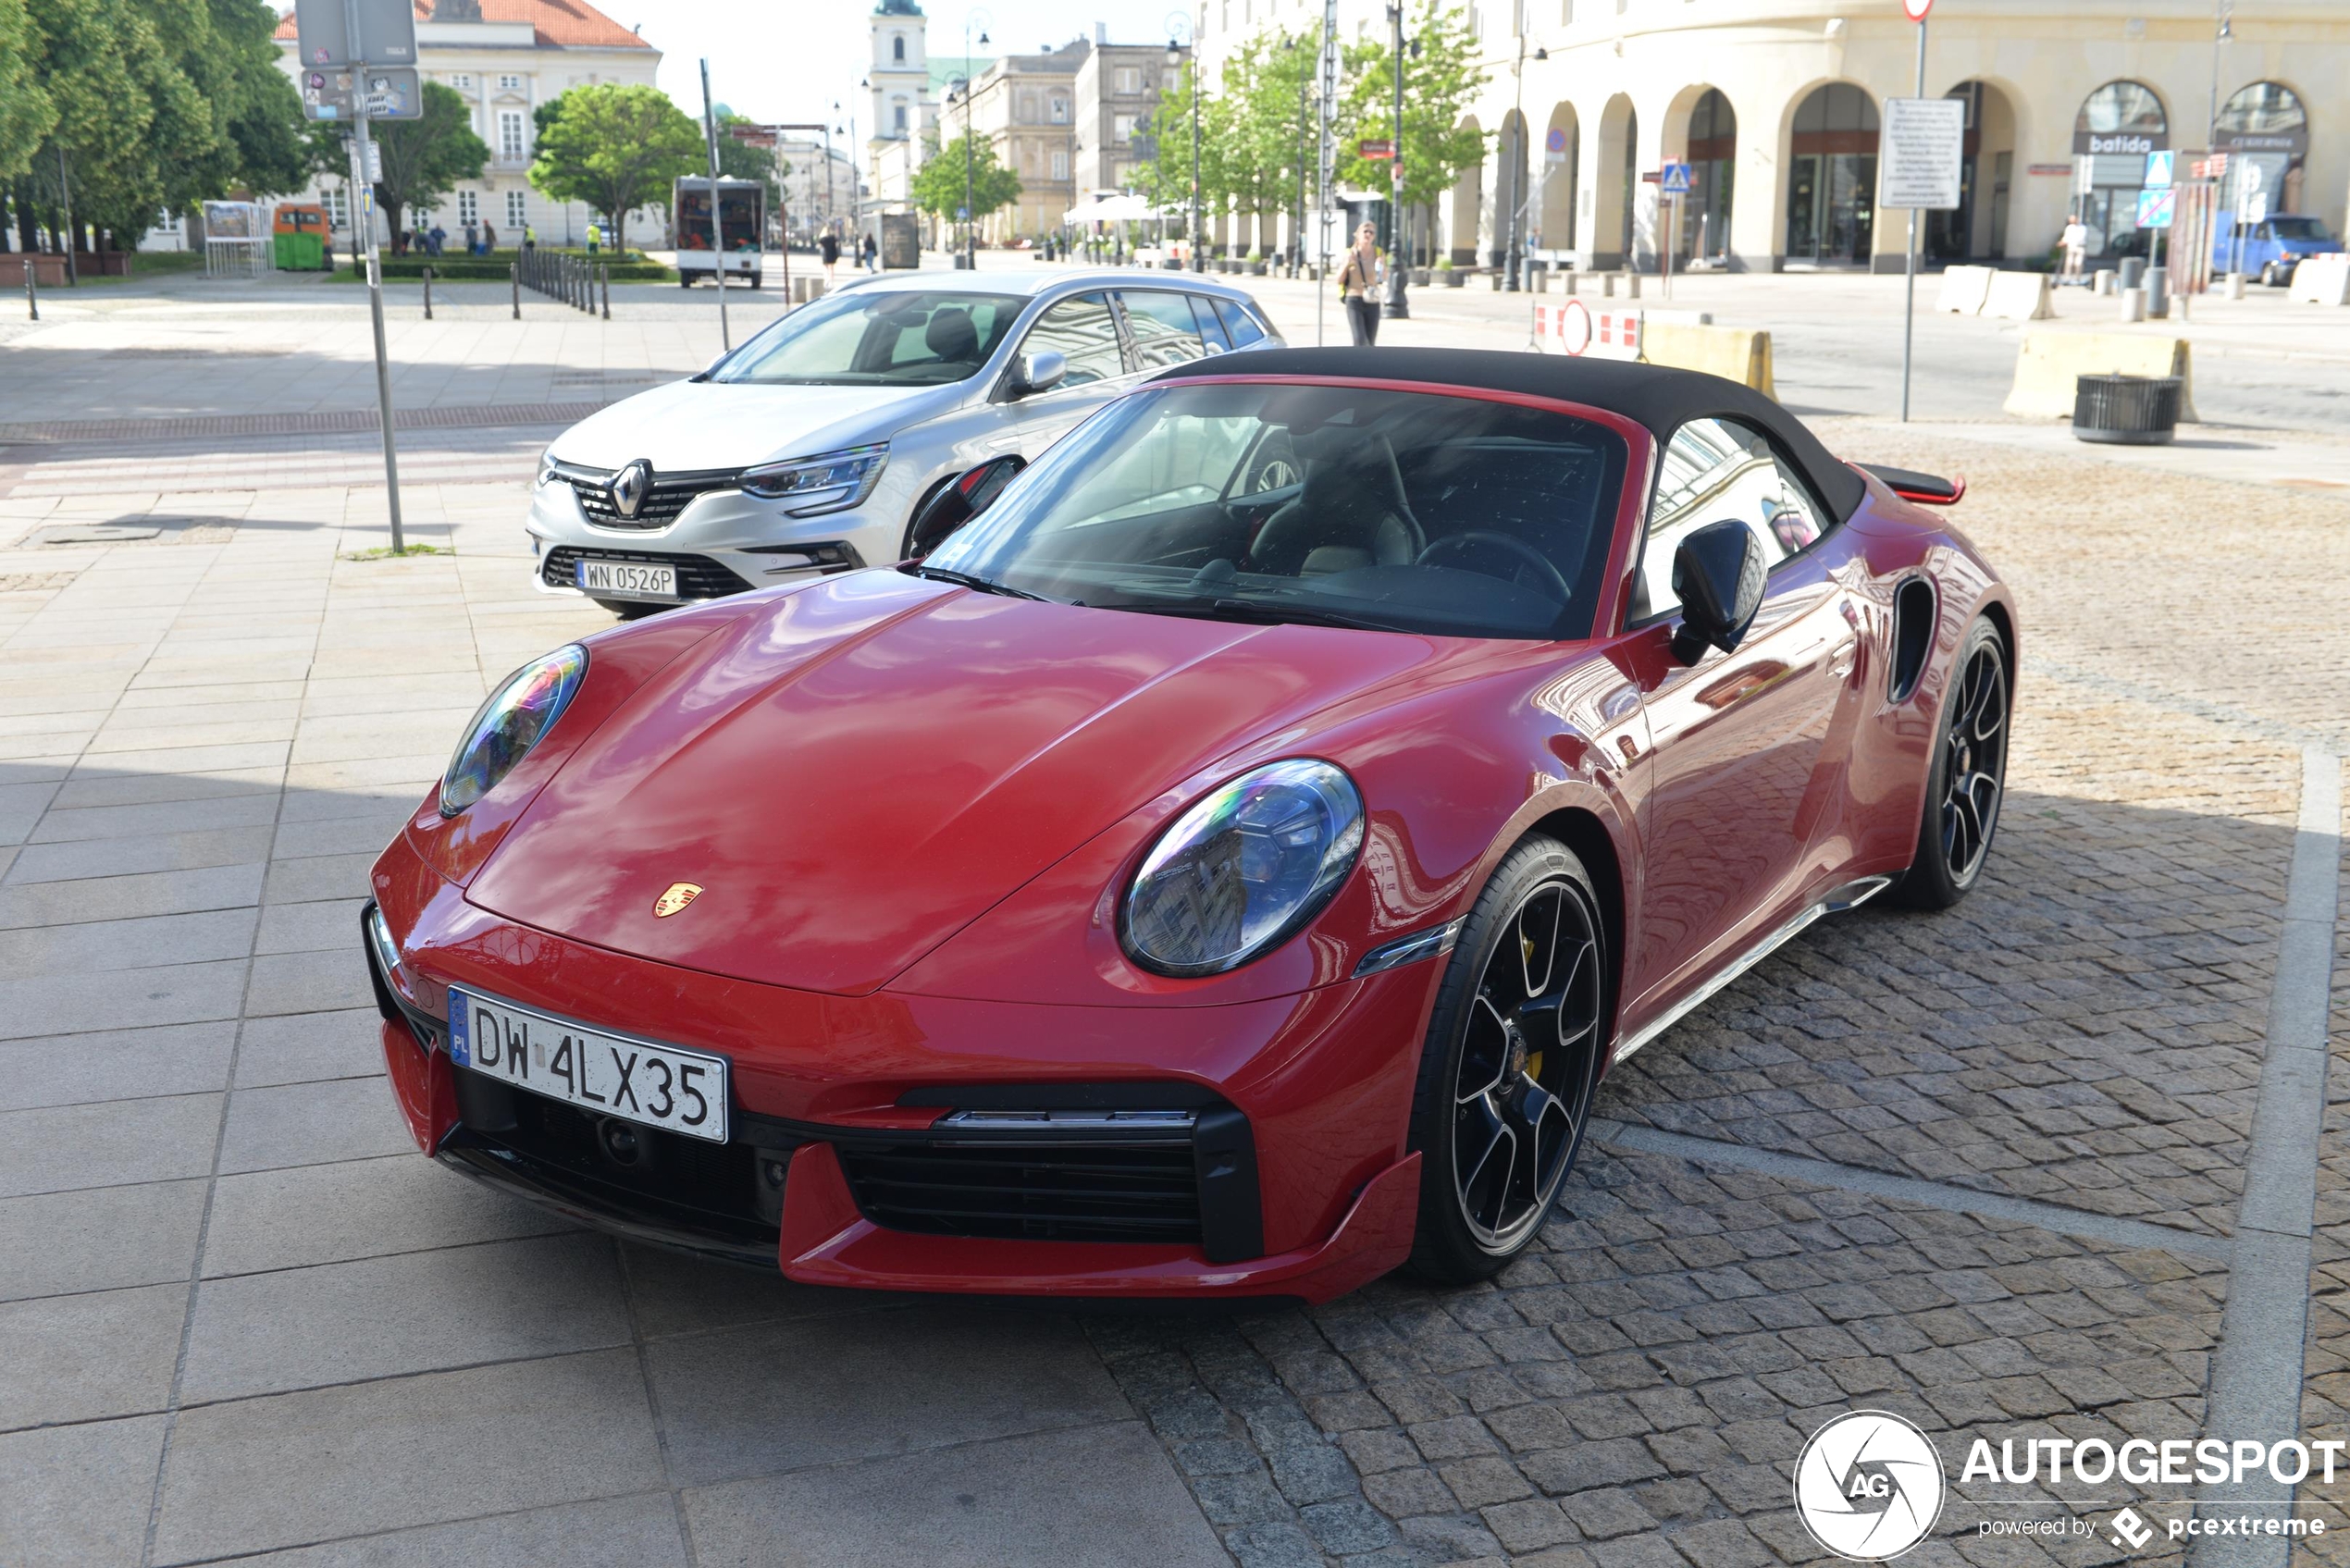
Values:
[(615, 149), (939, 185), (423, 159), (27, 113), (1442, 80), (1166, 177), (262, 112)]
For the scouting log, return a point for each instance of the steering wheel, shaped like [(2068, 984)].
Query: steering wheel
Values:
[(1520, 547)]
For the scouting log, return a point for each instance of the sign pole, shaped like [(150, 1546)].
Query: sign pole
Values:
[(361, 158), (717, 236), (1909, 284)]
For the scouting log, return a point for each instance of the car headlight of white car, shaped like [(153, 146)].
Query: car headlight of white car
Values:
[(829, 482), (1243, 869), (546, 469)]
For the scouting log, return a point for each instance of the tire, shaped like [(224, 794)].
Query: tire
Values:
[(1542, 1045), (1958, 825), (631, 609), (2267, 274)]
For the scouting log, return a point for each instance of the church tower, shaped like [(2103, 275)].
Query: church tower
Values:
[(900, 73)]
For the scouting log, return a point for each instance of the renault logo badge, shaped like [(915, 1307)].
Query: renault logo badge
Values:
[(680, 893), (628, 490)]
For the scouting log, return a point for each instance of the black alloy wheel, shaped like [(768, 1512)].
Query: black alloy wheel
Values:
[(1969, 776), (1510, 1065)]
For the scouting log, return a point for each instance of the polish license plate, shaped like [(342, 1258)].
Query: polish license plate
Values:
[(628, 579), (615, 1075)]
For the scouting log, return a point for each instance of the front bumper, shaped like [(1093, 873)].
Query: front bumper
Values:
[(908, 1142), (722, 541)]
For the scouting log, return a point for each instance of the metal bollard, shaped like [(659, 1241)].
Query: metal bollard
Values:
[(603, 275), (514, 281), (428, 293), (1631, 284), (32, 295)]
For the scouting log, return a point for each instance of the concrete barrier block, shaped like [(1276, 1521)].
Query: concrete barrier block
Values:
[(2134, 303), (2049, 363), (2323, 280), (2106, 280), (1736, 353), (2019, 296), (1963, 289)]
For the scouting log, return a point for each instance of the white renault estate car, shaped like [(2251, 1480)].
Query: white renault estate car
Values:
[(811, 447)]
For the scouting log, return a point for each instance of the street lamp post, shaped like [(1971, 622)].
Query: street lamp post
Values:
[(1517, 151), (977, 18), (1399, 307), (828, 170), (1297, 248), (1175, 48)]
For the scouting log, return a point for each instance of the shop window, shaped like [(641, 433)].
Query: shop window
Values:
[(1831, 209)]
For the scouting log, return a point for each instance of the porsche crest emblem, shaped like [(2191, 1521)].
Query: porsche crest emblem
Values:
[(680, 893)]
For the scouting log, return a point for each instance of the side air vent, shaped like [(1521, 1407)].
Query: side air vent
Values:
[(1913, 617)]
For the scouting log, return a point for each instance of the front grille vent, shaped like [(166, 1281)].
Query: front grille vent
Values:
[(698, 576), (1087, 1191), (668, 496)]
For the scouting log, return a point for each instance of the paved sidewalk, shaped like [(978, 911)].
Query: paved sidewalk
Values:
[(1986, 1169)]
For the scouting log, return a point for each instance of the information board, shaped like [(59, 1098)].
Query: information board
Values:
[(1920, 152), (901, 241), (386, 32)]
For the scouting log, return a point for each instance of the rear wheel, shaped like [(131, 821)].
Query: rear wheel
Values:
[(1969, 777), (1512, 1056)]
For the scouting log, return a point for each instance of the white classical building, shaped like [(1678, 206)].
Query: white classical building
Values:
[(506, 57), (1776, 105)]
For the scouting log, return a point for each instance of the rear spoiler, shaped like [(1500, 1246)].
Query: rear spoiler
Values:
[(1926, 490)]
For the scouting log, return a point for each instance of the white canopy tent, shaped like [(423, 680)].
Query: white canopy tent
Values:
[(1117, 209)]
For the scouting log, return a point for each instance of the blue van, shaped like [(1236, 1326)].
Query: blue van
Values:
[(2273, 247)]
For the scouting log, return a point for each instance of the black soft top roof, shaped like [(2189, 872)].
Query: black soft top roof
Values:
[(1662, 399)]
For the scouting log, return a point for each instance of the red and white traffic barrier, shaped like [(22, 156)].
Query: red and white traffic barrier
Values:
[(1576, 329)]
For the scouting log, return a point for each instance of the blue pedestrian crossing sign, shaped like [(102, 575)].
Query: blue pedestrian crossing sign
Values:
[(1676, 177)]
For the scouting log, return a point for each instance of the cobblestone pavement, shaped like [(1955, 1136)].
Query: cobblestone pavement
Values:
[(1981, 1168)]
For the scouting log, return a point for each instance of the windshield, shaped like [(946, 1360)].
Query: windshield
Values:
[(1410, 512), (876, 337), (2300, 228)]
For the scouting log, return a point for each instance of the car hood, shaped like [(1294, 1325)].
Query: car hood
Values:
[(688, 426), (854, 770)]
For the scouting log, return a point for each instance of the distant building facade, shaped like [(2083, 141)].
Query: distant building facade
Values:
[(505, 59), (1776, 105)]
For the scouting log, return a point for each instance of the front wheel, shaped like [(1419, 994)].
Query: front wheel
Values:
[(1512, 1057), (2269, 275), (1968, 778)]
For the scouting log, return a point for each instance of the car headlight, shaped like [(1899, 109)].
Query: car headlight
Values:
[(833, 482), (1243, 869), (546, 469), (510, 724)]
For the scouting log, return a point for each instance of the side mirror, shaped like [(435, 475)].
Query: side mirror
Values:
[(959, 500), (1039, 372), (1717, 575)]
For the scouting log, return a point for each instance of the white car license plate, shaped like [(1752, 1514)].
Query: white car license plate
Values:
[(683, 1092), (628, 579)]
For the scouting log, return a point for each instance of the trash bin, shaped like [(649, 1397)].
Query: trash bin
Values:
[(2130, 411), (2134, 271)]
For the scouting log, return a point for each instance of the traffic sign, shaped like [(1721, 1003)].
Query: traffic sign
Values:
[(2158, 166), (1555, 141), (1922, 142), (1916, 9), (1374, 149), (1676, 177), (387, 35), (2156, 206)]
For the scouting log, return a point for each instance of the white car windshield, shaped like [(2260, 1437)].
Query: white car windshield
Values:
[(1390, 510), (876, 337)]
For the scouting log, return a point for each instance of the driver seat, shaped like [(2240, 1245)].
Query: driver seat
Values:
[(952, 337), (1350, 513)]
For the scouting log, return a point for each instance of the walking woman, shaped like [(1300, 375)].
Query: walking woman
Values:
[(1362, 283)]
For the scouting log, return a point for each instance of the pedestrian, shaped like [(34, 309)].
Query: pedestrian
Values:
[(473, 239), (828, 247), (529, 238), (1362, 283), (436, 240), (595, 239), (2077, 247), (871, 251), (488, 237)]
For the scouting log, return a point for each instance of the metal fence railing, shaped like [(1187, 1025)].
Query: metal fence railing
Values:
[(567, 280)]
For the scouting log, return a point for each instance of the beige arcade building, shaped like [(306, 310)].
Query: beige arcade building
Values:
[(1776, 103)]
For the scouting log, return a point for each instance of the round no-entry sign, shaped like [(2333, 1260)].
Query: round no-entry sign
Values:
[(1916, 9)]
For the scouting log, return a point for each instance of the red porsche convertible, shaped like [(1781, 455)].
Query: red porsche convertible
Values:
[(1227, 864)]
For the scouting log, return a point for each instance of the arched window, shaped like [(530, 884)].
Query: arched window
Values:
[(2117, 125), (2264, 127), (1831, 196), (1712, 159), (897, 47)]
